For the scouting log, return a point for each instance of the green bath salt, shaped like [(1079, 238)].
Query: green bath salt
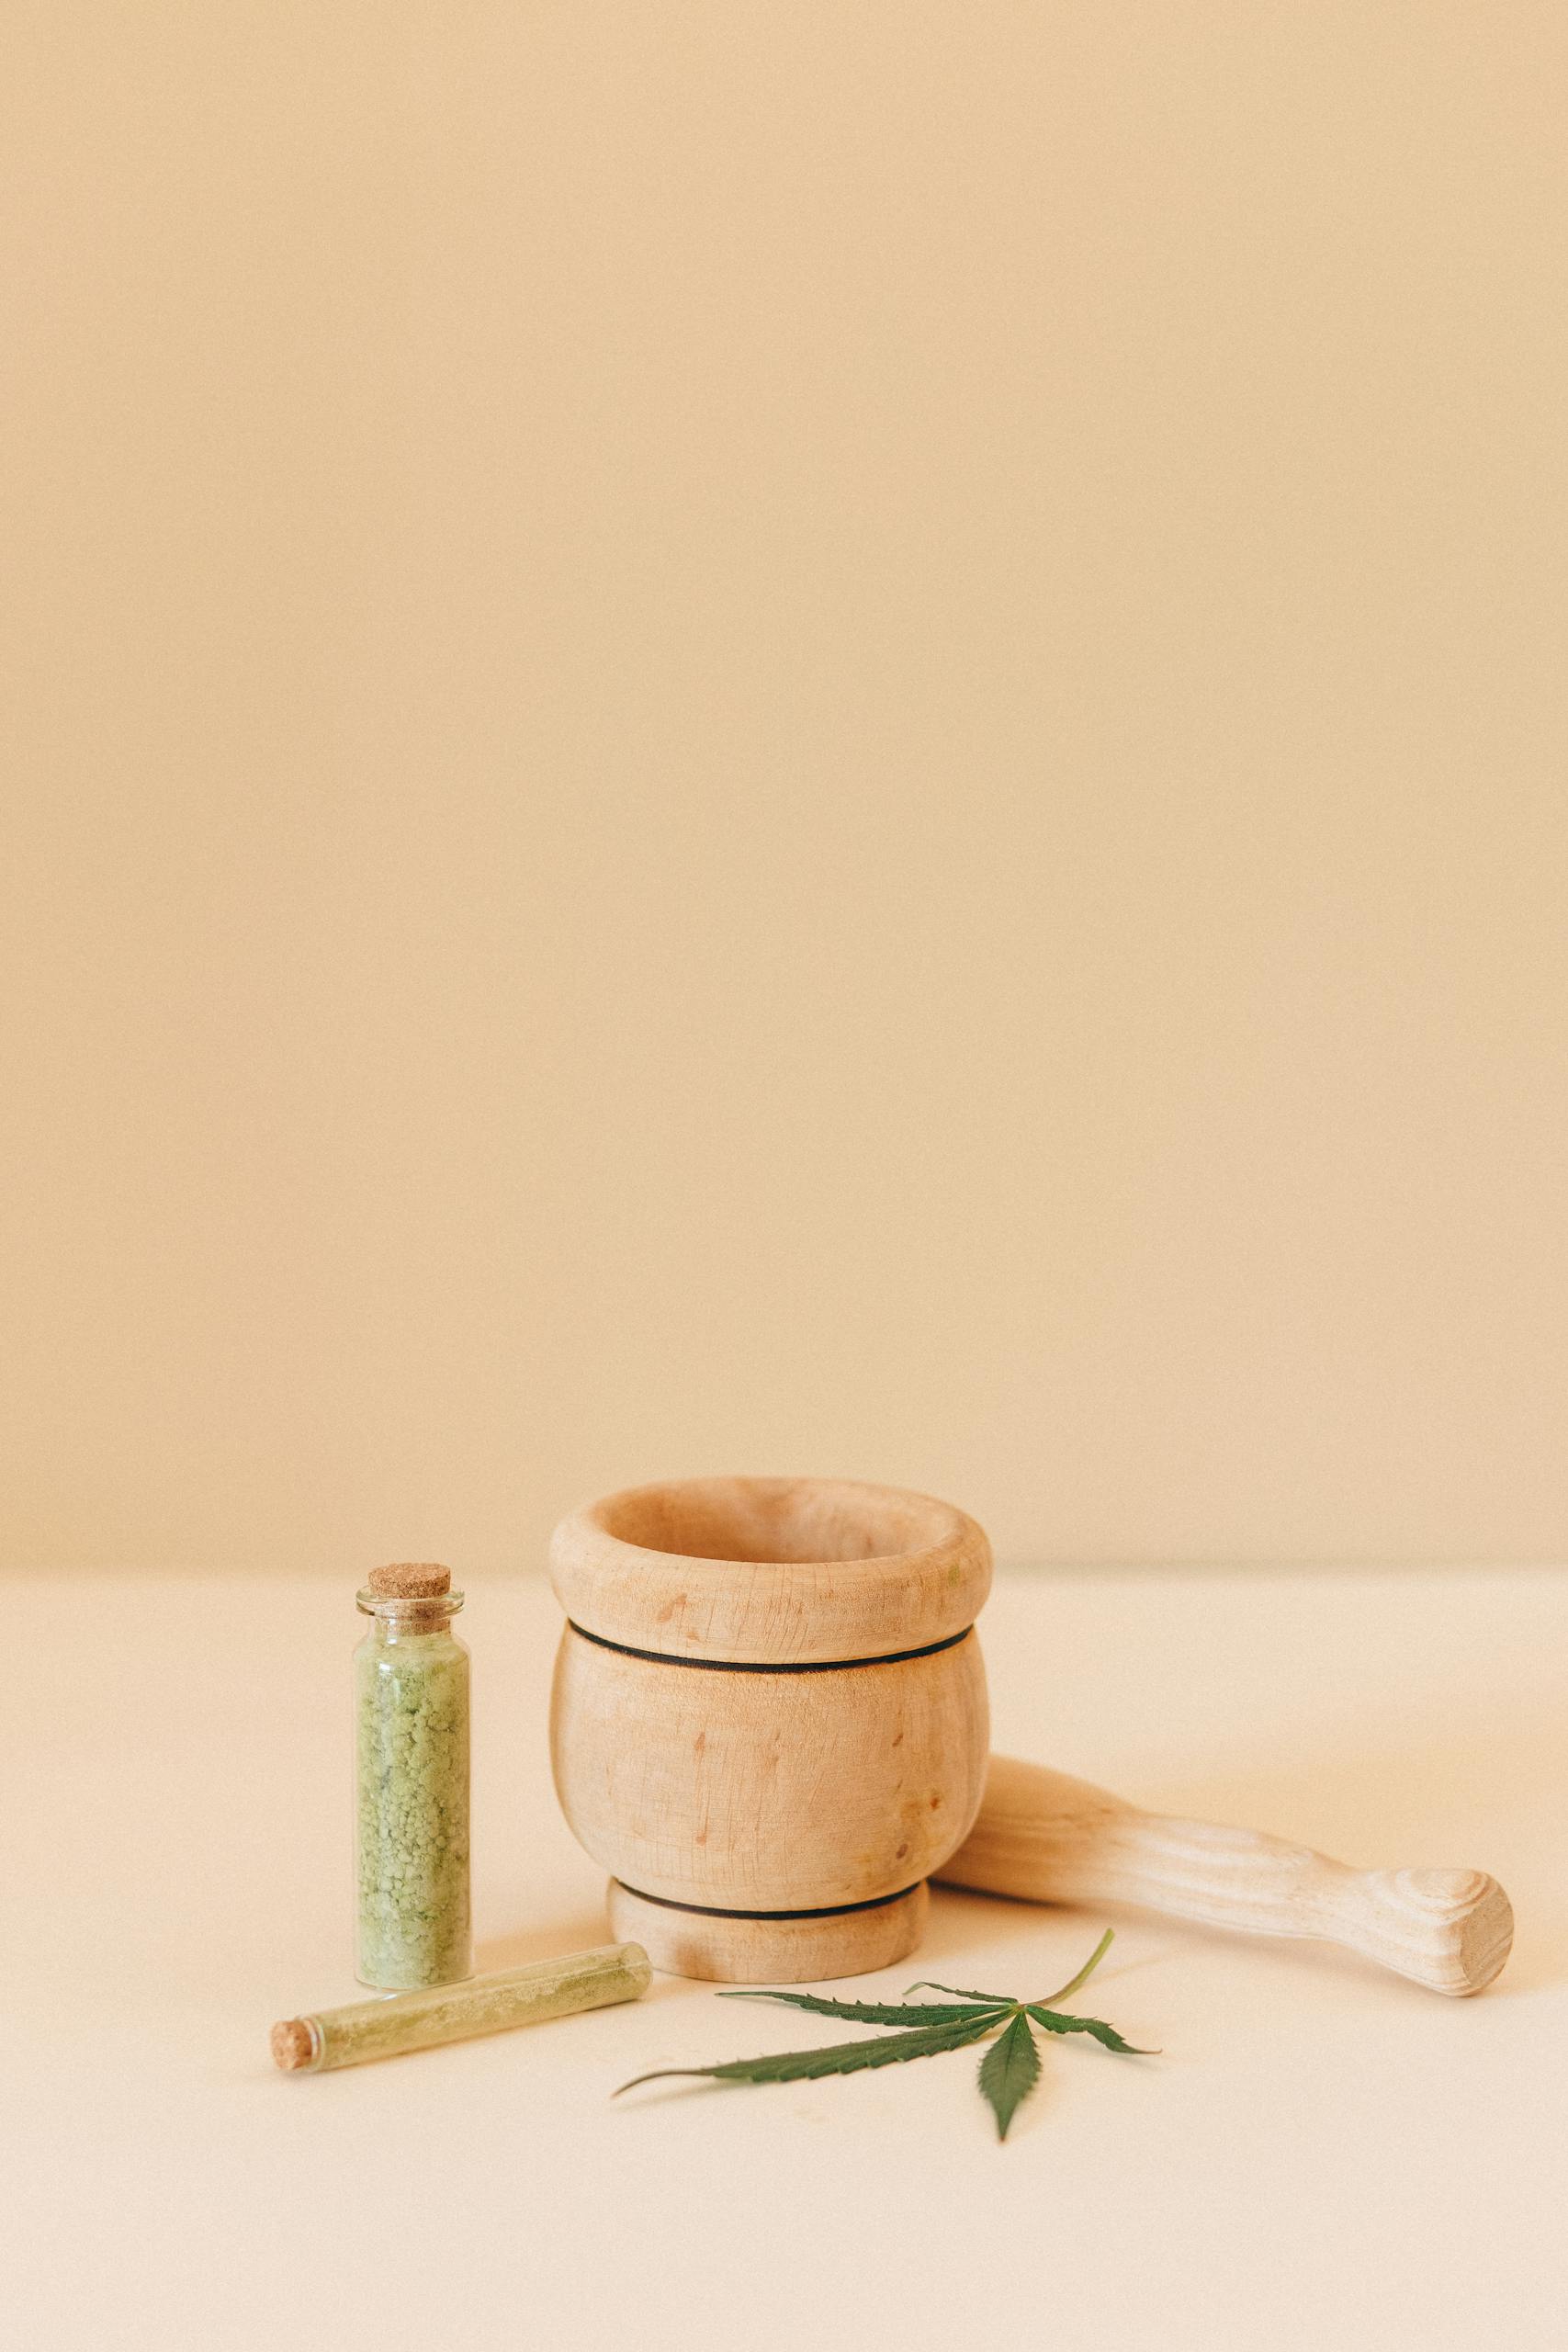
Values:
[(411, 1698)]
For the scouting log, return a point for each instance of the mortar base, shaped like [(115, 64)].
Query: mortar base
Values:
[(732, 1950)]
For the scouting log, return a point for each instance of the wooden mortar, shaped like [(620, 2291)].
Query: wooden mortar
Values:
[(770, 1724), (769, 1720)]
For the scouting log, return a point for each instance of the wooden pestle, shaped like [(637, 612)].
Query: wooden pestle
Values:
[(1049, 1839)]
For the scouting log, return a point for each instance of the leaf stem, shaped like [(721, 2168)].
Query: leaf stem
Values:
[(1085, 1972)]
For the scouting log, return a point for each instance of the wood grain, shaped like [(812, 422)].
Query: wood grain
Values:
[(771, 1951), (764, 1791), (773, 1571), (1049, 1839), (771, 1747), (769, 1792)]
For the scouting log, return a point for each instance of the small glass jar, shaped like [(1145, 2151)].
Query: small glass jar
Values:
[(411, 1712)]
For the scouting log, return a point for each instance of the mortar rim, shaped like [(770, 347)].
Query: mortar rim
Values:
[(684, 1604)]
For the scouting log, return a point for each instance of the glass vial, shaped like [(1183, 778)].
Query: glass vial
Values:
[(526, 1996), (411, 1712)]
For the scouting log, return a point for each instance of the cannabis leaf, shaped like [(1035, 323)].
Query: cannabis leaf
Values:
[(879, 2012), (1009, 2071), (839, 2058), (1054, 2021)]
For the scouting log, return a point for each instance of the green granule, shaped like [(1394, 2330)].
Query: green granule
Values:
[(412, 1725)]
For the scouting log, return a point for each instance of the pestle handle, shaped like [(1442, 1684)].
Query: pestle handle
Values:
[(1049, 1839)]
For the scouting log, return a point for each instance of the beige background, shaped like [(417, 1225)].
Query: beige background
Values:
[(822, 737)]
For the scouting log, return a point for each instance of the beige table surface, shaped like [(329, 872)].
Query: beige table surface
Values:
[(1323, 2156)]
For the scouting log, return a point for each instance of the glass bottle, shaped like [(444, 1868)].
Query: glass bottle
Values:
[(411, 1710)]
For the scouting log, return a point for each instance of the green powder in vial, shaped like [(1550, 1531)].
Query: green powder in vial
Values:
[(412, 1756)]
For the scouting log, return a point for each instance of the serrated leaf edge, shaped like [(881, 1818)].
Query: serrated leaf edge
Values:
[(1017, 2044), (1058, 2021), (832, 2058), (876, 2012)]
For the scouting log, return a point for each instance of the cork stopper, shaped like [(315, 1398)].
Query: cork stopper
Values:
[(291, 2045), (410, 1581)]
